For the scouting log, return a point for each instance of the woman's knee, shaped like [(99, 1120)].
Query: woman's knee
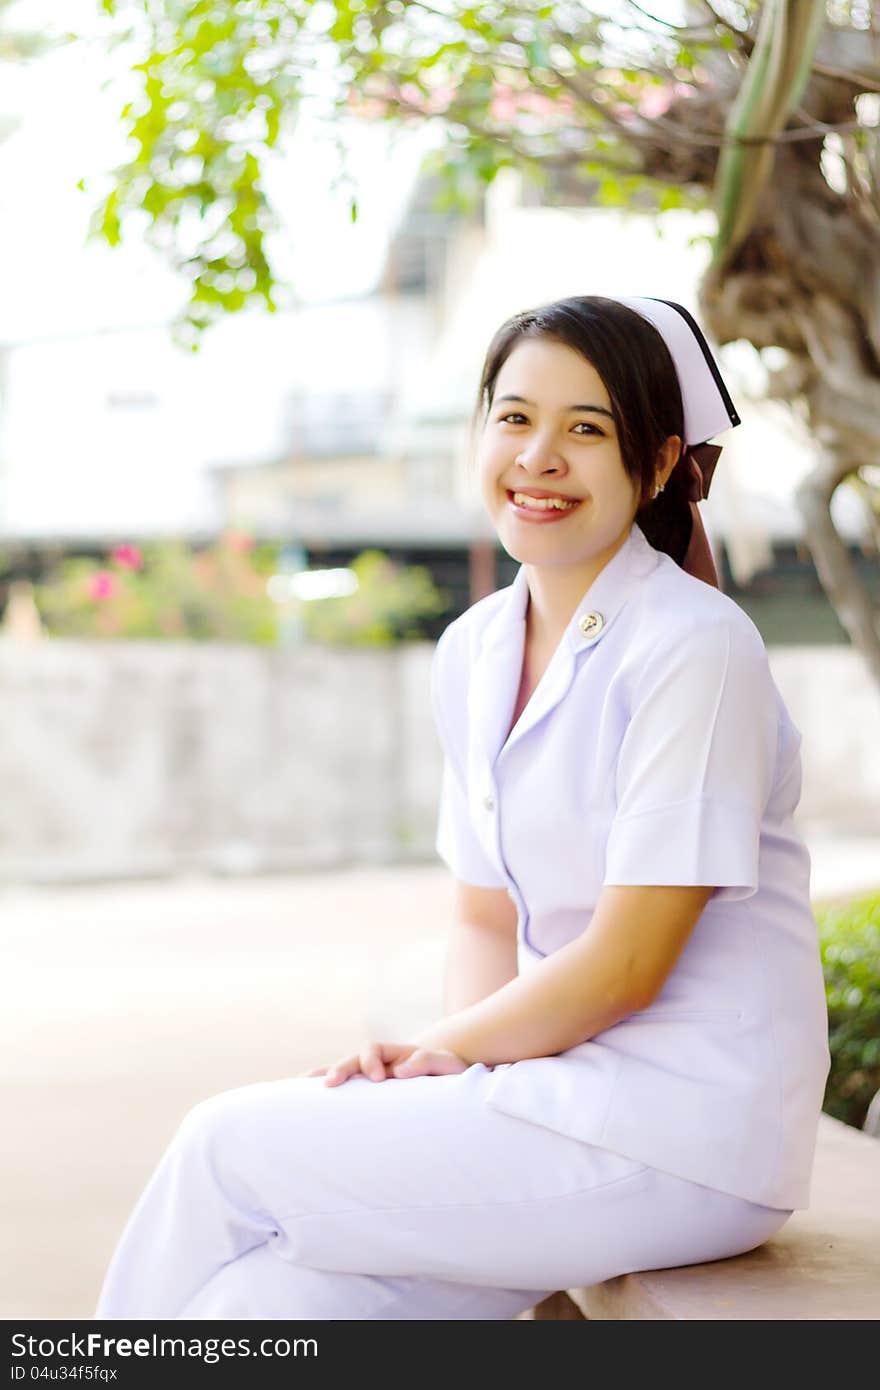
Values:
[(247, 1128), (217, 1125)]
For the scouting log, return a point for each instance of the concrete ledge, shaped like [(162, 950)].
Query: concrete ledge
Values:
[(823, 1265)]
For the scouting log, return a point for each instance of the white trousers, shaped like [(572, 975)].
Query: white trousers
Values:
[(397, 1199)]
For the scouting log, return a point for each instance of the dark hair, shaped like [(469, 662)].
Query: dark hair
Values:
[(639, 375)]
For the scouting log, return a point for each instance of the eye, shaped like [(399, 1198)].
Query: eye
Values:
[(515, 415)]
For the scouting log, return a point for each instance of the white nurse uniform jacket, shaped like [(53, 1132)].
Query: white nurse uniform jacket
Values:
[(656, 749)]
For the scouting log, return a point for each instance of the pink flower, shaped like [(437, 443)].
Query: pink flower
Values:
[(238, 540), (128, 557), (370, 108), (506, 103), (103, 585), (503, 106), (440, 99), (653, 101), (538, 102)]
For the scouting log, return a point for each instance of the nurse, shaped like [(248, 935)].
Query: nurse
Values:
[(631, 1068)]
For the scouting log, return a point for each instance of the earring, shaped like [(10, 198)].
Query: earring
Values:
[(659, 489)]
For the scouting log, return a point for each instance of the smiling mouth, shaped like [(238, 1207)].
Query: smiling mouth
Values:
[(551, 502)]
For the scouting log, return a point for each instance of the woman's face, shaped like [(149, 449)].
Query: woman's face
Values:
[(558, 440)]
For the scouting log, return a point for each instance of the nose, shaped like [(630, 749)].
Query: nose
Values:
[(540, 456)]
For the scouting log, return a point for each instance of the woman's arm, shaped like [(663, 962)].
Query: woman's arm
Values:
[(481, 955), (617, 965)]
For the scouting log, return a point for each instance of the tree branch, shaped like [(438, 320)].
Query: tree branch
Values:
[(726, 24), (682, 31), (840, 53)]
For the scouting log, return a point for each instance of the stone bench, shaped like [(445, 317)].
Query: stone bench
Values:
[(824, 1264)]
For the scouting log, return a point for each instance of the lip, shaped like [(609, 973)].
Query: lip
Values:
[(542, 492), (547, 515)]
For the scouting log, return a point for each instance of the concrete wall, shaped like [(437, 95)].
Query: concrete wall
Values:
[(836, 705), (151, 758), (154, 758)]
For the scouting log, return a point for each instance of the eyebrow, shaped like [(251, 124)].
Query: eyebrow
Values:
[(596, 409)]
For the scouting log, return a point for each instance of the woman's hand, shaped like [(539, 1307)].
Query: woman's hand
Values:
[(385, 1061)]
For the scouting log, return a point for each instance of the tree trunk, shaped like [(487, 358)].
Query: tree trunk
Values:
[(807, 279)]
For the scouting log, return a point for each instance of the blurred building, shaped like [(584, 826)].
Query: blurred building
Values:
[(344, 425)]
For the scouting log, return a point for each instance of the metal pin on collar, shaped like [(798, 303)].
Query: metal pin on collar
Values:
[(591, 623)]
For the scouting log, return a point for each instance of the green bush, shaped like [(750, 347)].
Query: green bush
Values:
[(849, 936), (166, 591), (170, 591), (383, 611)]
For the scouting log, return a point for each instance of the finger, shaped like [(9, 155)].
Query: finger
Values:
[(416, 1064), (341, 1071), (371, 1062), (316, 1071)]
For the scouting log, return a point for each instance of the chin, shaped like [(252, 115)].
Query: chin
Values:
[(540, 550), (544, 546)]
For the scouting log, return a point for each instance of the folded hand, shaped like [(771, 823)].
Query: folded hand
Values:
[(386, 1061)]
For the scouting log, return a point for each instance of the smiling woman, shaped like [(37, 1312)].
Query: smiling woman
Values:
[(631, 1068), (615, 366)]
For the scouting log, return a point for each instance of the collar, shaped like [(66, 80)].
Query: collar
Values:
[(599, 605), (495, 676)]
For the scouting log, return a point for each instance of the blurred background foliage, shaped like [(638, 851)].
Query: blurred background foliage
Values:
[(764, 111), (539, 86), (169, 590), (385, 609), (849, 935)]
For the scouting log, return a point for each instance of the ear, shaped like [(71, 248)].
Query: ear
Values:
[(668, 456)]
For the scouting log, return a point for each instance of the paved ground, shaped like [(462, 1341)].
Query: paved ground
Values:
[(124, 1004)]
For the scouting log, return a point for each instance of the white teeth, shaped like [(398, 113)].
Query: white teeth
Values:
[(542, 503)]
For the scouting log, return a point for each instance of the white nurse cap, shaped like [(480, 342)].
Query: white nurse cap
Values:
[(708, 408)]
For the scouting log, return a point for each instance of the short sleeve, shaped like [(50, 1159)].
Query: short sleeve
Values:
[(696, 765), (456, 840)]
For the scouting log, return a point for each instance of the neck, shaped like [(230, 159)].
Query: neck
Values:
[(555, 591)]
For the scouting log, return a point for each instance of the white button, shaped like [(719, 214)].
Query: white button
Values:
[(591, 623), (489, 803)]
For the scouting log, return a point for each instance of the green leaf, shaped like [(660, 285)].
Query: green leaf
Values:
[(538, 53), (671, 197), (221, 83)]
